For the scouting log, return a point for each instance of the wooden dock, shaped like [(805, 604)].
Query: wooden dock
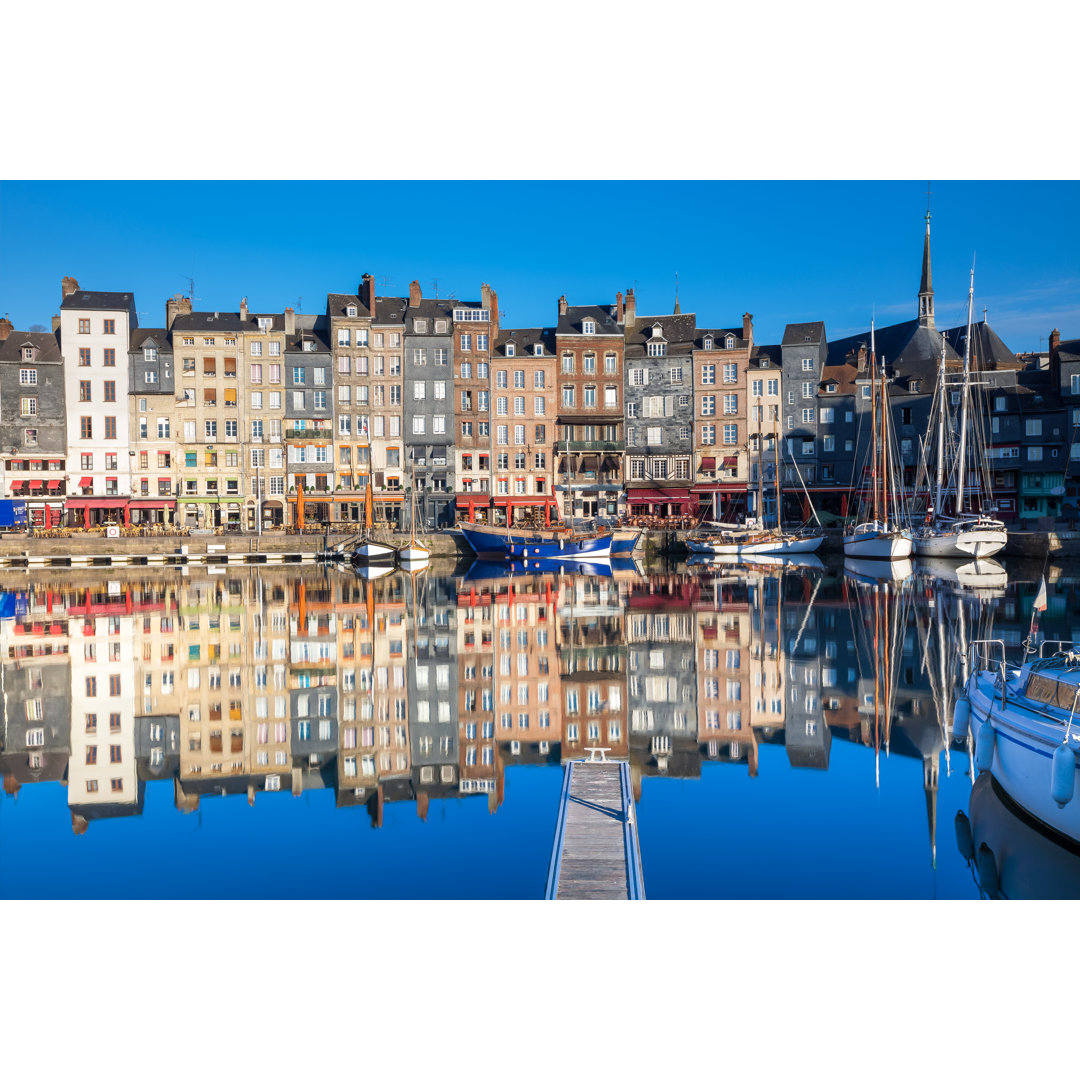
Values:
[(596, 854)]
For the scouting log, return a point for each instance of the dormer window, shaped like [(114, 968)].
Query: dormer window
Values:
[(420, 326), (509, 348), (708, 342), (538, 350), (657, 330), (830, 388), (28, 353), (264, 324), (915, 386), (588, 326), (309, 346), (350, 311), (729, 341), (149, 354), (658, 348)]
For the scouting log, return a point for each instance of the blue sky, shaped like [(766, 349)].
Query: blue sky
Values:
[(787, 251)]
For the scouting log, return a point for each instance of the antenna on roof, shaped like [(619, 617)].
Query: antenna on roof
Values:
[(300, 303), (435, 286), (385, 283)]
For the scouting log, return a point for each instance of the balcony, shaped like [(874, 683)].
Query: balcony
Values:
[(575, 446)]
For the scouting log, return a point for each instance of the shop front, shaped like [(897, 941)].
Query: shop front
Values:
[(534, 511), (208, 512), (93, 512), (152, 511), (664, 503), (475, 509)]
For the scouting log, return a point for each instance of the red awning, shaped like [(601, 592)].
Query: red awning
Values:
[(35, 484), (526, 500), (730, 462), (96, 504), (53, 485), (18, 483), (651, 495), (465, 501), (86, 481), (708, 463)]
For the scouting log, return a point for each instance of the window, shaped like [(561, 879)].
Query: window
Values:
[(85, 390), (731, 434), (708, 434), (731, 373), (110, 427), (1034, 453), (84, 326), (110, 391), (27, 377), (731, 404), (110, 358), (1033, 427), (808, 416)]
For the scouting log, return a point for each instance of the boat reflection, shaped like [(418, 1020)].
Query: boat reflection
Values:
[(1010, 856)]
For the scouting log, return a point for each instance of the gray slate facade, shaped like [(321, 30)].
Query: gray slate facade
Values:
[(309, 407)]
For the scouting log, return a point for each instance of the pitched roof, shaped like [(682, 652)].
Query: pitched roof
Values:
[(719, 335), (571, 322), (907, 348), (202, 322), (336, 303), (801, 333), (48, 346), (144, 334), (526, 339), (772, 353), (430, 309), (390, 309), (82, 300), (989, 349), (677, 330)]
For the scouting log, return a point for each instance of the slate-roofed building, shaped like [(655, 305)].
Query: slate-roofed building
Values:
[(207, 349), (429, 407), (475, 328), (95, 329), (387, 445), (591, 438), (309, 433), (152, 421), (524, 407), (721, 467), (349, 319), (804, 350), (33, 422), (764, 387), (658, 389)]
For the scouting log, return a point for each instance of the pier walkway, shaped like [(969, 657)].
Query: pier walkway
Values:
[(596, 854)]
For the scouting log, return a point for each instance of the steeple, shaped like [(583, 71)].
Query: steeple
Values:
[(926, 288), (677, 311)]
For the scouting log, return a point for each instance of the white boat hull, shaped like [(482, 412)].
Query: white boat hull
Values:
[(413, 553), (961, 544), (875, 545), (1024, 745), (372, 551)]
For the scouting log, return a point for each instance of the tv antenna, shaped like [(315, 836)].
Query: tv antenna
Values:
[(385, 283), (300, 303), (191, 288), (435, 285)]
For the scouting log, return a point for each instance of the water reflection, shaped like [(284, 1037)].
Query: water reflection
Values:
[(252, 683)]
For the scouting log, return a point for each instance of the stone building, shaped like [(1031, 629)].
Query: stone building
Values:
[(475, 328), (33, 422), (387, 442), (524, 404), (152, 421), (349, 325), (429, 407), (590, 344), (659, 396)]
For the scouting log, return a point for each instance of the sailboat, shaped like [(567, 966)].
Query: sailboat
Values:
[(876, 538), (752, 539), (413, 553), (964, 536), (368, 549)]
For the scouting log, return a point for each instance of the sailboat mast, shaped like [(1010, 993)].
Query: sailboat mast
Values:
[(964, 403), (760, 479), (873, 423), (884, 448), (776, 456), (939, 487)]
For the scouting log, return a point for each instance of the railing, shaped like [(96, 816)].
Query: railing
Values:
[(983, 658), (595, 445)]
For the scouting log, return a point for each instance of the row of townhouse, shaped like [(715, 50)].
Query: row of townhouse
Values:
[(245, 419)]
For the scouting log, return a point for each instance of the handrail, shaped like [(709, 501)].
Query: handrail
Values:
[(978, 657), (1055, 641)]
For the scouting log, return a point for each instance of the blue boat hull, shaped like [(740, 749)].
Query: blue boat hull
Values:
[(520, 545)]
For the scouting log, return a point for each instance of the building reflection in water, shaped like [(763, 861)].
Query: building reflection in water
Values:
[(417, 687)]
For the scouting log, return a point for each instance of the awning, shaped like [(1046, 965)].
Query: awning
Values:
[(730, 462), (53, 484), (657, 495), (465, 501), (36, 485), (96, 504), (526, 500), (589, 463), (153, 504), (86, 481), (708, 463)]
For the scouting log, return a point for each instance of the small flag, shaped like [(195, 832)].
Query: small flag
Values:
[(1040, 598)]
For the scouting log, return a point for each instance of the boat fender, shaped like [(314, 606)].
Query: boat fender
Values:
[(960, 717), (1063, 774), (560, 543), (984, 747), (964, 842), (988, 874)]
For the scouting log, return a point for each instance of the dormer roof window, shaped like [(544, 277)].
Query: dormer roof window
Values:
[(351, 311), (265, 323), (708, 342), (28, 352), (588, 326), (149, 353), (830, 387), (729, 341), (509, 348), (657, 330), (309, 345), (538, 349), (420, 326), (658, 348)]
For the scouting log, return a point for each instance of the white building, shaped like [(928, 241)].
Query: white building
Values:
[(95, 332)]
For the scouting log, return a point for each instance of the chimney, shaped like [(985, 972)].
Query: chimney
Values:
[(6, 328), (367, 292), (414, 294), (68, 286), (55, 323), (748, 327), (243, 310), (562, 304), (1055, 340), (178, 305), (494, 315), (485, 296), (619, 307), (290, 322), (631, 308)]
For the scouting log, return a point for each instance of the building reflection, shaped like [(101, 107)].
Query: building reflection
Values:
[(421, 687)]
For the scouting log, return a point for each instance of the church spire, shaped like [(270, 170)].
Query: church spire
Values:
[(926, 288), (677, 310)]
